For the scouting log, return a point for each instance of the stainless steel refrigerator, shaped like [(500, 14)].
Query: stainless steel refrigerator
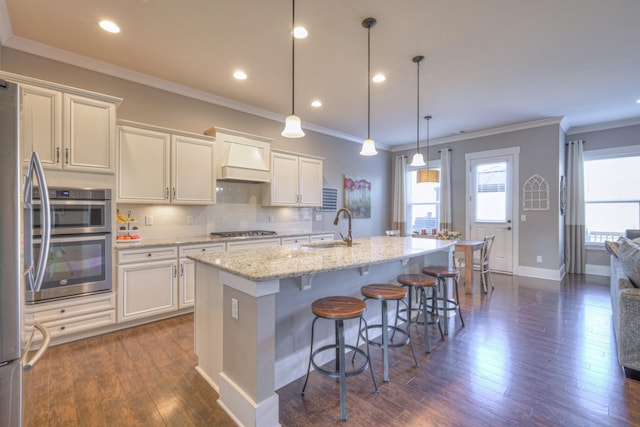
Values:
[(18, 268)]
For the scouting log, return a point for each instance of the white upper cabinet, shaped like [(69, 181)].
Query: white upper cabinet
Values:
[(295, 181), (162, 166), (88, 134), (70, 129)]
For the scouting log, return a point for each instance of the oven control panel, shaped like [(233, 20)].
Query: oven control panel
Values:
[(75, 193)]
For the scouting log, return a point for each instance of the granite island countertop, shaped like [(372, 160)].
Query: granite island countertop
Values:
[(260, 264), (168, 241)]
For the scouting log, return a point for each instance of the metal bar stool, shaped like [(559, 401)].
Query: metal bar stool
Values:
[(385, 293), (442, 274), (339, 309), (420, 283)]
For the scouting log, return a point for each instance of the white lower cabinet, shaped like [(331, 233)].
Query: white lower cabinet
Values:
[(249, 244), (73, 315), (186, 282), (148, 286), (297, 240)]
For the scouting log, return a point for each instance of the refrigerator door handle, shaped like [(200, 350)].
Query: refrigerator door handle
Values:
[(35, 167), (46, 338)]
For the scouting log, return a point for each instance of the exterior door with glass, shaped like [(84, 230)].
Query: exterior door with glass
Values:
[(491, 203)]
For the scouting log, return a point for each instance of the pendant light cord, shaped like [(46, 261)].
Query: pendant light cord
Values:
[(418, 113), (293, 58), (369, 82)]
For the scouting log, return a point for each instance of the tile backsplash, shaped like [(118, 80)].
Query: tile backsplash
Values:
[(238, 207)]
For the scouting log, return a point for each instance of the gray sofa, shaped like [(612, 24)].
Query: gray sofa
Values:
[(625, 304)]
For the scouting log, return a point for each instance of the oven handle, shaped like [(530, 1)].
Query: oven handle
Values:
[(67, 202), (76, 238)]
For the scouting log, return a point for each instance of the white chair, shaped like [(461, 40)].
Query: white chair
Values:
[(482, 263)]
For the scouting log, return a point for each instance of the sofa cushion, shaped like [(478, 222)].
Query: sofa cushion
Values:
[(629, 255), (612, 247)]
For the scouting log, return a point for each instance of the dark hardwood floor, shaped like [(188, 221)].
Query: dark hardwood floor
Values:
[(533, 352)]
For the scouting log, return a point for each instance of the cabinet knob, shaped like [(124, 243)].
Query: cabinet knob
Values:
[(62, 328), (62, 310), (148, 254), (204, 249)]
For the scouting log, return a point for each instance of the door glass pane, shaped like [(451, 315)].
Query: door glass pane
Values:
[(491, 192)]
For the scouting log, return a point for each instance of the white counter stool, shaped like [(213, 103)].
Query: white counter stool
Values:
[(339, 309), (385, 293), (441, 274), (420, 283)]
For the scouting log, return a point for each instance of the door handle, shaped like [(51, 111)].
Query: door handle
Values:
[(46, 337)]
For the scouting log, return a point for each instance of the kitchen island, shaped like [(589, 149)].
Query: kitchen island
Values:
[(253, 310)]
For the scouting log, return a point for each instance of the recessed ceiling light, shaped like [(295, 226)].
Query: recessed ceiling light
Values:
[(240, 75), (316, 103), (109, 26), (300, 32), (379, 78)]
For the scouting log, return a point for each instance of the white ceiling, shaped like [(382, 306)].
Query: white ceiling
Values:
[(489, 63)]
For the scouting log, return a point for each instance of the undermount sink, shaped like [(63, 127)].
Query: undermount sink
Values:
[(331, 244)]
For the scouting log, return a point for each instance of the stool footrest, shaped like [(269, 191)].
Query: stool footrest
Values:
[(394, 329), (336, 373)]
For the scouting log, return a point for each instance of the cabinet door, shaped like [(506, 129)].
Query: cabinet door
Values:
[(310, 182), (143, 173), (192, 171), (284, 179), (89, 134), (187, 285), (41, 125), (147, 289)]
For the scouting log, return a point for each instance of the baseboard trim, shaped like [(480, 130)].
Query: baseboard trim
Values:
[(541, 273)]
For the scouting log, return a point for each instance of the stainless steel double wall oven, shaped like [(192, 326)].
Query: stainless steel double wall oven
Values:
[(80, 255)]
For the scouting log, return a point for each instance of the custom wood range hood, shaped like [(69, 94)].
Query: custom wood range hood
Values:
[(240, 156)]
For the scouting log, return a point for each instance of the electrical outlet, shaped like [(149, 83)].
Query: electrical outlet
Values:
[(234, 308), (189, 219), (539, 258), (148, 220), (523, 218)]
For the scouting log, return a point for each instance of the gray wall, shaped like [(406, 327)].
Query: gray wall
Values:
[(149, 105), (540, 153)]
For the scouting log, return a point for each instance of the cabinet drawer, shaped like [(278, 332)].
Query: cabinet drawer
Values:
[(249, 244), (74, 324), (79, 306), (198, 249), (149, 254), (295, 240), (322, 237)]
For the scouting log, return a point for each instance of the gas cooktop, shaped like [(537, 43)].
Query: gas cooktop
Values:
[(245, 233)]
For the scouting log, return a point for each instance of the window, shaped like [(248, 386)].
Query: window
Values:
[(611, 193), (423, 204), (491, 192)]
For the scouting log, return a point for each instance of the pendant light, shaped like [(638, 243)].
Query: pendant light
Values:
[(292, 124), (368, 146), (418, 160), (428, 175)]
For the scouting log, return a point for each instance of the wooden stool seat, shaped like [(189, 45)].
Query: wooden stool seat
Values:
[(338, 307), (383, 292), (439, 271), (416, 280)]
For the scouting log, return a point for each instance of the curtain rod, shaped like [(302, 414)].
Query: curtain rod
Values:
[(448, 149), (582, 141)]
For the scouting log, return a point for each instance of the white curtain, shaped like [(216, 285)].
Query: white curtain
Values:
[(399, 196), (574, 223), (445, 189)]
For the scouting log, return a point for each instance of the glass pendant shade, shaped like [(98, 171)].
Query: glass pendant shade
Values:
[(368, 148), (417, 160), (292, 127), (428, 175)]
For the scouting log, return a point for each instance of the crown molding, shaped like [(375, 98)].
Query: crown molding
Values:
[(487, 132), (604, 126)]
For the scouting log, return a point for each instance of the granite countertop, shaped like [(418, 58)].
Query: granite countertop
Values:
[(260, 264), (169, 241)]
